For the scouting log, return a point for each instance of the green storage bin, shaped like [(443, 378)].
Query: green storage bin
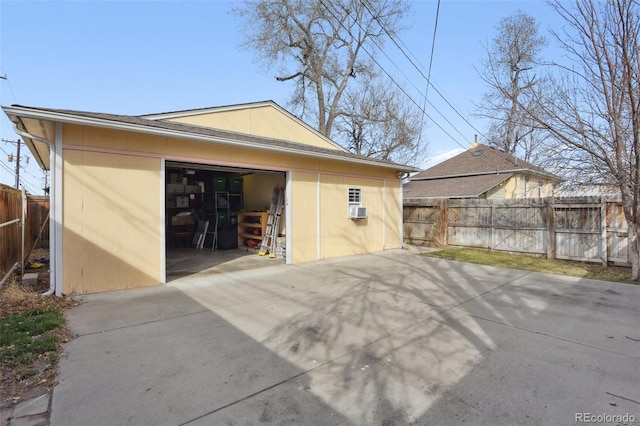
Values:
[(235, 185), (219, 184), (223, 219)]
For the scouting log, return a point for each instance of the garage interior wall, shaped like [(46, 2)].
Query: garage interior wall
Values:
[(111, 222), (258, 189)]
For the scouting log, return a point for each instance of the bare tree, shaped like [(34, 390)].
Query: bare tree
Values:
[(593, 107), (509, 72), (377, 122), (318, 45)]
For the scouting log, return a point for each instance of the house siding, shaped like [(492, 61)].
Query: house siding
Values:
[(518, 187), (260, 121), (113, 221), (112, 226)]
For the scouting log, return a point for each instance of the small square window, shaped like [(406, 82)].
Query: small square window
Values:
[(355, 196)]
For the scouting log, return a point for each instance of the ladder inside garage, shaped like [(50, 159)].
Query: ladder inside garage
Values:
[(273, 224)]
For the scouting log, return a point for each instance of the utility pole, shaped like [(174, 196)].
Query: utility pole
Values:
[(18, 166), (17, 172)]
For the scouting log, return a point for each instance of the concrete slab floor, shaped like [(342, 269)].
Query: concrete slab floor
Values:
[(390, 338), (188, 261)]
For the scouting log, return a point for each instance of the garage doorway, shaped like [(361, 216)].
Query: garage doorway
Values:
[(216, 218)]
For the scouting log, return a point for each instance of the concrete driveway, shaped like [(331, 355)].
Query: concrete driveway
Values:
[(391, 338)]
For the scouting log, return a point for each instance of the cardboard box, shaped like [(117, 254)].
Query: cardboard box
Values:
[(175, 178), (200, 184), (171, 202), (182, 220), (182, 201), (192, 189), (175, 188)]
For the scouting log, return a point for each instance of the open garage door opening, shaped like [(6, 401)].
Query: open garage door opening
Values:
[(217, 217)]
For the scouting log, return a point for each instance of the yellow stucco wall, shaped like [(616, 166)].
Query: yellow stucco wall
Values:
[(304, 221), (339, 235), (518, 187), (112, 224), (264, 121), (81, 137), (113, 206)]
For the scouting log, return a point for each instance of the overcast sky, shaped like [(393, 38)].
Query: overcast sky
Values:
[(140, 57)]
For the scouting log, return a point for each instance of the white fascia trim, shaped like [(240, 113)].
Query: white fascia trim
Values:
[(96, 122), (163, 219), (56, 205), (318, 219), (401, 225), (288, 216), (384, 213)]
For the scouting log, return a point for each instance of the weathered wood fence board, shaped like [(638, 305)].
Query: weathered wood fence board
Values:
[(11, 235), (586, 228)]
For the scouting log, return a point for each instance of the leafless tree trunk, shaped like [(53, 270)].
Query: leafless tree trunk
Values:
[(318, 45), (593, 106), (508, 71), (377, 123)]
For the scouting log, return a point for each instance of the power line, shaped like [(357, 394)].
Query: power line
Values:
[(16, 173), (426, 100), (427, 78), (389, 75), (433, 48), (480, 152), (22, 181), (4, 77)]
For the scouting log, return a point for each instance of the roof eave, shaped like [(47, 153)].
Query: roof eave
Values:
[(28, 141), (495, 172), (18, 111), (488, 188)]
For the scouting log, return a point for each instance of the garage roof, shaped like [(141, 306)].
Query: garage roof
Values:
[(18, 114)]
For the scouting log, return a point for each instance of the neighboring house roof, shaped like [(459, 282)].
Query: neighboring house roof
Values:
[(470, 174), (456, 187), (172, 115), (481, 159), (184, 131)]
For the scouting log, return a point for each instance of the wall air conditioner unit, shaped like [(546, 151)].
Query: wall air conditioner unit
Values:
[(356, 212)]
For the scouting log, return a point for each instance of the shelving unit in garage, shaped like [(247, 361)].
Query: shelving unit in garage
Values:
[(248, 223)]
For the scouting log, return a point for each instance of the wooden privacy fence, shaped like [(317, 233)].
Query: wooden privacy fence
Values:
[(591, 229), (11, 234)]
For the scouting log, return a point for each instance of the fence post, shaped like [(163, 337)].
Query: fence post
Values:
[(445, 221), (23, 226), (603, 231), (491, 228), (551, 228)]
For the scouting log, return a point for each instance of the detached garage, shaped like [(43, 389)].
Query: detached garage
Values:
[(127, 190)]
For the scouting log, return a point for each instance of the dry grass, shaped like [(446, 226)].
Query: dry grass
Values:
[(19, 381), (588, 270)]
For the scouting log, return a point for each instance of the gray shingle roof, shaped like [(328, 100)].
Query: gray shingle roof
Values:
[(478, 160), (191, 130), (454, 187)]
